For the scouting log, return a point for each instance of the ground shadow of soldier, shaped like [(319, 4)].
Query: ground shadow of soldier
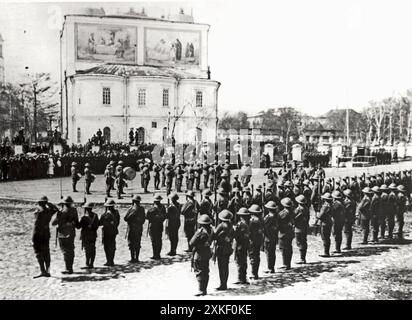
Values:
[(281, 280), (118, 271)]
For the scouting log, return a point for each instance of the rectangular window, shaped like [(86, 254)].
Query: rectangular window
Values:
[(141, 98), (106, 96), (199, 99), (154, 124), (165, 97)]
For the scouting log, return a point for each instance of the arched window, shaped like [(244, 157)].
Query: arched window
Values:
[(79, 135), (140, 135), (106, 134)]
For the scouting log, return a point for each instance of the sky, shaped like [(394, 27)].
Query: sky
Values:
[(312, 55)]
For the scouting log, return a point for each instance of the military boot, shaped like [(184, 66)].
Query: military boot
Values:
[(42, 269), (302, 257), (326, 253)]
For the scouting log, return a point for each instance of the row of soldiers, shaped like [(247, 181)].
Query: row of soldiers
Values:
[(245, 222)]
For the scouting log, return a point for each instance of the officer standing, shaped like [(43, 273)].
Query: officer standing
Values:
[(110, 222), (41, 234), (285, 219), (200, 242), (350, 212), (256, 239), (224, 235), (242, 244), (270, 223), (75, 175), (301, 221), (325, 217), (190, 212), (67, 221), (135, 218), (156, 215), (89, 224), (173, 223)]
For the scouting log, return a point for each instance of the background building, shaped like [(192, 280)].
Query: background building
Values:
[(123, 72)]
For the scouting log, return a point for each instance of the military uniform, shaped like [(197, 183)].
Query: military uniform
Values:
[(403, 204), (120, 181), (156, 215), (285, 218), (242, 243), (325, 217), (385, 208), (88, 176), (375, 209), (108, 180), (390, 214), (190, 212), (75, 177), (156, 180), (110, 221), (223, 236), (350, 211), (206, 207), (169, 178), (270, 224), (67, 221), (179, 178), (173, 224), (200, 242), (135, 218), (41, 236), (338, 220), (301, 222), (146, 178), (364, 209), (89, 224), (256, 240)]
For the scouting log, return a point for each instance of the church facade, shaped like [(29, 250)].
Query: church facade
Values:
[(149, 75)]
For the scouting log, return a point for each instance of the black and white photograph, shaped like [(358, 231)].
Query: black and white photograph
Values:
[(206, 150)]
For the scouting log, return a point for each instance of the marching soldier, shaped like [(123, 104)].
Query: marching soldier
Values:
[(88, 176), (206, 205), (270, 223), (285, 218), (223, 236), (156, 215), (301, 222), (89, 224), (242, 244), (173, 223), (109, 221), (338, 219), (179, 178), (393, 205), (325, 217), (190, 212), (200, 242), (350, 212), (364, 211), (256, 239), (67, 221), (376, 212), (75, 174), (41, 234), (135, 218)]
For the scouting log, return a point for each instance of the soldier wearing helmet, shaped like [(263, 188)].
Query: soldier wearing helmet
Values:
[(75, 174), (376, 212), (350, 211), (173, 213), (403, 207), (41, 234), (338, 219), (285, 218), (201, 242), (364, 210), (156, 215), (242, 235), (67, 221), (221, 203), (135, 218), (89, 224), (325, 218), (301, 222), (385, 208), (256, 239), (393, 204), (190, 212), (88, 176), (109, 221), (206, 205), (270, 225), (109, 180), (224, 235), (236, 202)]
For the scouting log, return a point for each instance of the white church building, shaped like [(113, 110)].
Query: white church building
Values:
[(123, 72)]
